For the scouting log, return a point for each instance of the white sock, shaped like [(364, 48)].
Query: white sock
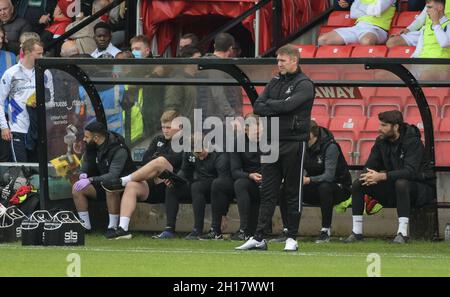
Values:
[(403, 225), (124, 222), (125, 180), (357, 224), (84, 216), (328, 230), (113, 221)]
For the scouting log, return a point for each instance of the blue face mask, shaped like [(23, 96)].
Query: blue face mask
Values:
[(137, 54)]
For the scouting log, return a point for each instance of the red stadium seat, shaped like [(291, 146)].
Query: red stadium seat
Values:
[(340, 19), (438, 92), (444, 129), (326, 29), (346, 132), (367, 92), (321, 120), (370, 51), (366, 140), (321, 107), (363, 148), (441, 152), (334, 51), (377, 104), (405, 18), (401, 52), (394, 92), (445, 109), (348, 107), (412, 110), (246, 109), (395, 30), (306, 51)]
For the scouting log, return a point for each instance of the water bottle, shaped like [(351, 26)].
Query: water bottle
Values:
[(447, 232)]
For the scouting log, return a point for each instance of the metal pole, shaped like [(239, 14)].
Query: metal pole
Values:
[(139, 24), (257, 32), (276, 23), (130, 19), (42, 136)]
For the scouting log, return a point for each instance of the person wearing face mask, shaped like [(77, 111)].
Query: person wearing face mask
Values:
[(397, 174), (141, 47), (106, 158)]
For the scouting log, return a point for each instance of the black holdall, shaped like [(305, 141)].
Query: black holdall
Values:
[(64, 229), (33, 228)]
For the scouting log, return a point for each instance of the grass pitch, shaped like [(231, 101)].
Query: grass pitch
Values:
[(144, 256)]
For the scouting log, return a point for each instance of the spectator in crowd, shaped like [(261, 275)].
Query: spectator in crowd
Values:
[(373, 21), (38, 13), (237, 51), (327, 180), (85, 36), (57, 26), (106, 158), (288, 97), (7, 59), (219, 101), (13, 24), (342, 4), (117, 22), (141, 47), (397, 174), (188, 39), (246, 172), (102, 37), (18, 85), (144, 184), (69, 48), (183, 98), (410, 35)]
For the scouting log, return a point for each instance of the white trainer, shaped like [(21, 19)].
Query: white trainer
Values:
[(253, 244), (291, 245)]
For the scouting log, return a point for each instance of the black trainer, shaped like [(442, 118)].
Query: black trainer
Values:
[(113, 185), (121, 234), (354, 238), (323, 237), (239, 236), (194, 235), (400, 239), (211, 235), (110, 233)]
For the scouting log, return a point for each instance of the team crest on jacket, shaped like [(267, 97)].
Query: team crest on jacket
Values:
[(319, 160), (160, 144), (191, 159), (289, 90)]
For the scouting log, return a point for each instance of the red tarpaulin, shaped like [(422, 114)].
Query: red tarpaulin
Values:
[(168, 19)]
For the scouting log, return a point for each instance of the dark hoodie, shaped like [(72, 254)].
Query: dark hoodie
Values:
[(402, 159), (110, 160), (13, 29), (324, 161)]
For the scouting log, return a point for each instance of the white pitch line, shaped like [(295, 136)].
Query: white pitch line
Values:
[(221, 252)]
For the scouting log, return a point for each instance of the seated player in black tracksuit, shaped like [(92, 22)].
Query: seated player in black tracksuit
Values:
[(144, 184), (246, 172), (398, 173), (208, 174), (327, 180)]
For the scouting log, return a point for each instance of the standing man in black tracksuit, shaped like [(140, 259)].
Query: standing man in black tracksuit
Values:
[(327, 180), (289, 96), (397, 174), (106, 157)]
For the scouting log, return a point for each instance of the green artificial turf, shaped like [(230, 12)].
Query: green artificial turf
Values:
[(144, 256)]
